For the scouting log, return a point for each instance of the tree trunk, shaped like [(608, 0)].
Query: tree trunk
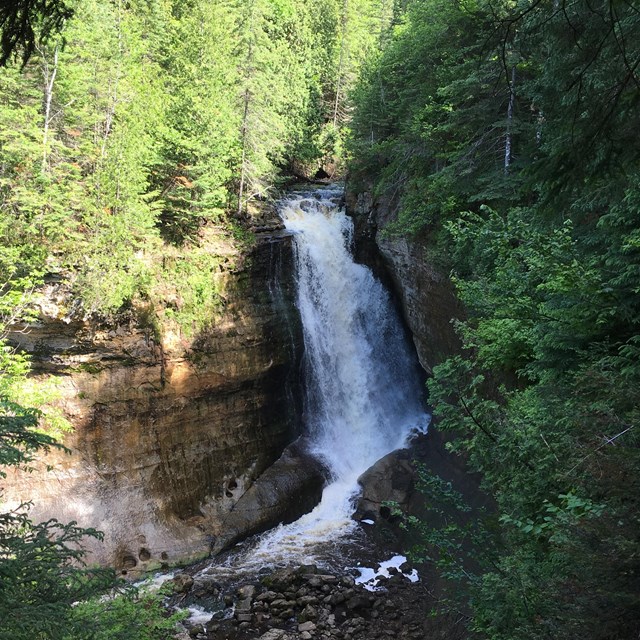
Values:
[(508, 137), (343, 43), (245, 118), (49, 79), (248, 74)]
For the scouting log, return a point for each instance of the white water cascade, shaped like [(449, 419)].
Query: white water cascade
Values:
[(363, 397)]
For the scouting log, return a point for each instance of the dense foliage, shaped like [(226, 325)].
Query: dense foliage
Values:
[(506, 131), (137, 129)]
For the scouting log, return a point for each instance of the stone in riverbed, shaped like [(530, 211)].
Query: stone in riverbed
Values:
[(289, 488), (358, 602), (246, 591), (309, 613), (182, 583), (392, 478), (243, 606), (306, 626), (279, 603), (275, 634)]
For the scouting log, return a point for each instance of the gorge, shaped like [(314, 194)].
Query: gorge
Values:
[(188, 379), (174, 446)]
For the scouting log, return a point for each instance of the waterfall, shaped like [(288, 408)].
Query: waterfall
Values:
[(363, 397)]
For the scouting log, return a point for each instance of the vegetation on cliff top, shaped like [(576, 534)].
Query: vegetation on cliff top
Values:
[(132, 127), (507, 132)]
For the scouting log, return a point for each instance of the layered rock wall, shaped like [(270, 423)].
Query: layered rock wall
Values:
[(169, 432)]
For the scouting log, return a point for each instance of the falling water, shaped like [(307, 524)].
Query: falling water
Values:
[(363, 397)]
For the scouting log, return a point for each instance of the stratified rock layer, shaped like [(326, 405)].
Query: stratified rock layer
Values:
[(169, 432)]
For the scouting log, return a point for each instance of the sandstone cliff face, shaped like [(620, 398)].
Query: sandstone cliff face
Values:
[(427, 297), (169, 432)]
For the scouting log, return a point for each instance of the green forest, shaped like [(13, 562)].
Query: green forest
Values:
[(504, 133)]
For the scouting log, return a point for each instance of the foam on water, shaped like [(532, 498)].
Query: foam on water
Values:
[(369, 577)]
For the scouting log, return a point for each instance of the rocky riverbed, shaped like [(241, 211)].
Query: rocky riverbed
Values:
[(336, 598), (307, 603)]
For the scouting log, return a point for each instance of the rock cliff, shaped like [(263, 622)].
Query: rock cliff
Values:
[(169, 432), (427, 298)]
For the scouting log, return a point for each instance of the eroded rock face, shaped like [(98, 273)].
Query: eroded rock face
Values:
[(169, 433), (426, 294), (287, 490)]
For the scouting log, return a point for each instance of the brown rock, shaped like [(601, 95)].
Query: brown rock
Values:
[(182, 582), (170, 431), (392, 478)]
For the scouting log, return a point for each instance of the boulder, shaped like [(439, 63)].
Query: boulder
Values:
[(288, 489), (182, 583), (391, 479)]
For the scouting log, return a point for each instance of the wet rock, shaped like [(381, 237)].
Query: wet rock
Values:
[(309, 613), (391, 479), (205, 585), (291, 487), (243, 606), (246, 592), (307, 569), (306, 626), (358, 602), (275, 634), (279, 603), (182, 582)]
